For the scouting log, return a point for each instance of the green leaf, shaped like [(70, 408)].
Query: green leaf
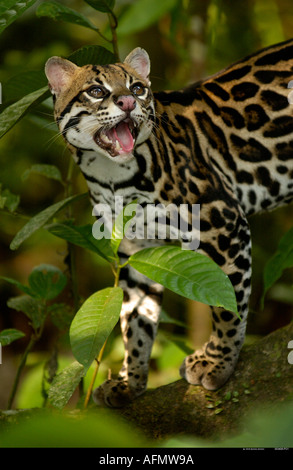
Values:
[(23, 84), (187, 273), (10, 335), (142, 14), (64, 384), (92, 55), (40, 220), (11, 115), (10, 10), (94, 322), (106, 6), (281, 260), (8, 200), (57, 12), (32, 308), (165, 318), (47, 281), (121, 225), (82, 236), (50, 171)]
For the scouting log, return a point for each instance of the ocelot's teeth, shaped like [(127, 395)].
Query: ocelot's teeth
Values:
[(106, 138), (118, 140)]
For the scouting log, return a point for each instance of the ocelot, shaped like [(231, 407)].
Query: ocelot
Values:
[(225, 143)]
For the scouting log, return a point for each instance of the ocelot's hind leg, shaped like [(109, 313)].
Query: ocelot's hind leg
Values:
[(212, 365)]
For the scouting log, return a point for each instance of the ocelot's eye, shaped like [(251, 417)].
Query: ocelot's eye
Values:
[(138, 89), (96, 92)]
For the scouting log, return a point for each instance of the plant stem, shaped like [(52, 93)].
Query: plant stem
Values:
[(117, 274), (113, 25), (70, 246), (29, 347), (98, 362)]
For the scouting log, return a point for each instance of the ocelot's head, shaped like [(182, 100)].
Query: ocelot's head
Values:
[(108, 109)]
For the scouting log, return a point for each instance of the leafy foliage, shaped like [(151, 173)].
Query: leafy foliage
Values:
[(40, 220), (11, 10)]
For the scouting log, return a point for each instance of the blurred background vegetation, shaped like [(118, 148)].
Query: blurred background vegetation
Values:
[(186, 40)]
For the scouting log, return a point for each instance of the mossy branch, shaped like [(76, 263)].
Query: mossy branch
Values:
[(263, 378)]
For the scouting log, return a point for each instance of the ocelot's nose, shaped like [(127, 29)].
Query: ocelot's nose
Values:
[(126, 102)]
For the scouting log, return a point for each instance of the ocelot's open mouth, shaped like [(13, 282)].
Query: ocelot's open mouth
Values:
[(119, 139)]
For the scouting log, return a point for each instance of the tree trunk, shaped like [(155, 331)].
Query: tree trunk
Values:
[(263, 378)]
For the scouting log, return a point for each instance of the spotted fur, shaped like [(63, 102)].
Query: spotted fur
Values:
[(224, 143)]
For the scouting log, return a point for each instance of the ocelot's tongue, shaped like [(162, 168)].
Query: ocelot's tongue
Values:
[(123, 135)]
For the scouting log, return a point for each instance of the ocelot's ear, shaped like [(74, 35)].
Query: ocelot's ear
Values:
[(59, 73), (139, 60)]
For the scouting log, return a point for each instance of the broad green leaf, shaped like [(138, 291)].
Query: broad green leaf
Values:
[(281, 260), (50, 171), (187, 273), (105, 6), (121, 225), (40, 220), (64, 384), (11, 115), (142, 14), (10, 10), (32, 308), (57, 11), (96, 55), (10, 335), (47, 281), (82, 236), (94, 322)]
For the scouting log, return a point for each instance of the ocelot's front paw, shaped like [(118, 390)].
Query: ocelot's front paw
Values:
[(115, 393), (197, 369)]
